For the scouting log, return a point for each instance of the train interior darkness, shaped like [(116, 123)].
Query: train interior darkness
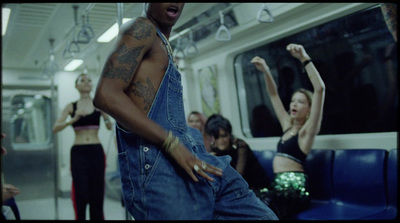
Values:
[(351, 45)]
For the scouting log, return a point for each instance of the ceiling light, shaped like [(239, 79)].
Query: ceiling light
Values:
[(5, 15), (111, 33), (73, 65)]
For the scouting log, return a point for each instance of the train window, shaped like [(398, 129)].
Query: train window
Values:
[(356, 56), (30, 122)]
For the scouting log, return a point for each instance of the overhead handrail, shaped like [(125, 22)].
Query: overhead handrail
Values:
[(222, 29), (178, 51), (72, 47), (86, 33), (266, 9), (51, 68), (201, 23), (66, 54), (191, 48)]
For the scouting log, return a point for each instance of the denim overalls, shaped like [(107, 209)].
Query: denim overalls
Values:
[(155, 188)]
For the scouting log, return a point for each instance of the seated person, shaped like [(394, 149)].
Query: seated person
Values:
[(8, 193), (198, 121), (243, 159)]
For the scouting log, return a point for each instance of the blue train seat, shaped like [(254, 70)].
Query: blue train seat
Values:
[(358, 186), (390, 211), (318, 167), (265, 158)]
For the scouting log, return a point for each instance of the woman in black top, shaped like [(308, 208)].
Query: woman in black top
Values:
[(87, 154), (300, 126), (243, 159)]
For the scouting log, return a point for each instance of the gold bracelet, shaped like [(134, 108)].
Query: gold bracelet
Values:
[(170, 143), (168, 140), (173, 145)]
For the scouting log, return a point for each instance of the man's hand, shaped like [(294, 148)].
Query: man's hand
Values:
[(193, 165)]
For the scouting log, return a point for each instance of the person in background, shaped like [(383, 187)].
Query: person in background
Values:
[(166, 173), (243, 160), (300, 127), (8, 194), (198, 121), (87, 154)]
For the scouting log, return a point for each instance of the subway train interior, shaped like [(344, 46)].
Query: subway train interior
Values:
[(353, 46)]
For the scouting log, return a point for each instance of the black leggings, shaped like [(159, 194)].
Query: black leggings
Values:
[(88, 172)]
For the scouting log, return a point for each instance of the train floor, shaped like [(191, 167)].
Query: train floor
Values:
[(44, 209)]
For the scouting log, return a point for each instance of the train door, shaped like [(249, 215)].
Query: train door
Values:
[(31, 160)]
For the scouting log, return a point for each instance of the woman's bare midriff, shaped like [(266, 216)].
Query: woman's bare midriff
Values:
[(284, 164), (86, 137)]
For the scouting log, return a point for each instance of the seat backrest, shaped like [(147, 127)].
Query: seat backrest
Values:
[(265, 158), (392, 177), (318, 167), (358, 176)]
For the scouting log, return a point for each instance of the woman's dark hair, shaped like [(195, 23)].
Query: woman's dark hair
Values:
[(215, 122), (79, 76)]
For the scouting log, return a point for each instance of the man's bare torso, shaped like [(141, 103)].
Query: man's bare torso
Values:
[(150, 71)]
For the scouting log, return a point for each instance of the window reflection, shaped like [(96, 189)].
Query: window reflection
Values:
[(30, 122)]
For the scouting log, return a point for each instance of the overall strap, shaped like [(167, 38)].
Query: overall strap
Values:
[(166, 42)]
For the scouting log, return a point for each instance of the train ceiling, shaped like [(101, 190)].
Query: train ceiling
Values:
[(37, 30)]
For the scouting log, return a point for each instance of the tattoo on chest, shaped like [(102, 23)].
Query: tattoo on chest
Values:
[(146, 92)]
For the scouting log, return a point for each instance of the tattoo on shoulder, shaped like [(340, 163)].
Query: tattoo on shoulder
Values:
[(124, 60), (146, 92), (140, 30), (124, 65)]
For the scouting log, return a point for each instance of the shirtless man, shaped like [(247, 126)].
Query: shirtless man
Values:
[(164, 165)]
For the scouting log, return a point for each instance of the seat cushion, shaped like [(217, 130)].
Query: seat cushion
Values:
[(318, 167), (265, 158), (358, 187)]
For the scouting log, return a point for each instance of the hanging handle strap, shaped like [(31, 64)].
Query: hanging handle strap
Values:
[(74, 47), (222, 29), (86, 33), (191, 48), (178, 52), (66, 53), (266, 9)]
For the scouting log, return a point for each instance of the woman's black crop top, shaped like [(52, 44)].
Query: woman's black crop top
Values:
[(290, 149), (89, 120)]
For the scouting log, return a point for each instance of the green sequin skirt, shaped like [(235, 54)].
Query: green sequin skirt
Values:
[(290, 185), (287, 194)]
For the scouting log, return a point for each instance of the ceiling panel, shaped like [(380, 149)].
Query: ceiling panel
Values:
[(26, 44)]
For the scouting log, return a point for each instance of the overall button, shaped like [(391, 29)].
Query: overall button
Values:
[(147, 166), (146, 149)]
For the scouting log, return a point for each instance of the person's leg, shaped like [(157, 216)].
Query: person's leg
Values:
[(97, 183), (79, 191), (13, 205), (236, 201)]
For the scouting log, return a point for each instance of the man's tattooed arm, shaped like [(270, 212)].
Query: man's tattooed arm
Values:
[(124, 61), (124, 65)]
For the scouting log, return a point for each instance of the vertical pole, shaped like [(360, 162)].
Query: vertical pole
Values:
[(53, 138), (120, 13)]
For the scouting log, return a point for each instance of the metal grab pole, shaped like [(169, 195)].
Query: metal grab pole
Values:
[(120, 13)]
